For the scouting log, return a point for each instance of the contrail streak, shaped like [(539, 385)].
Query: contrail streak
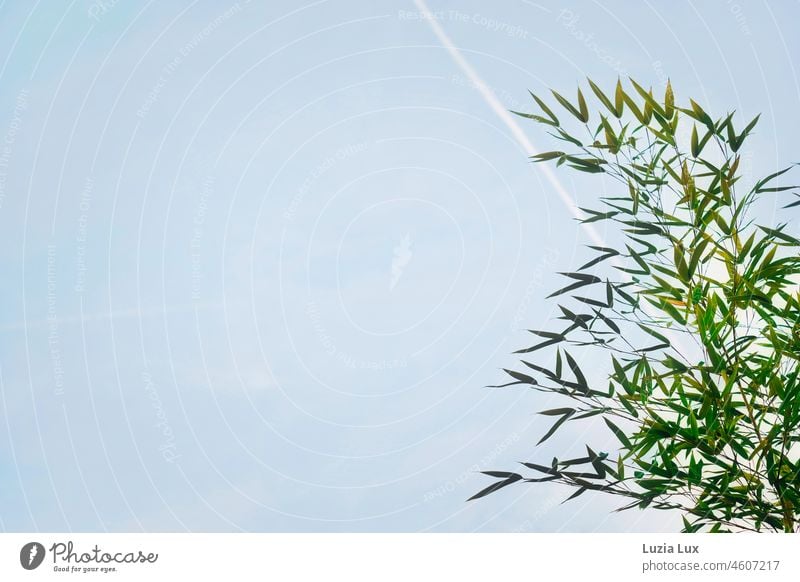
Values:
[(504, 115)]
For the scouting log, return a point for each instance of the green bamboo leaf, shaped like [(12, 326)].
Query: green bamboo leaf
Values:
[(609, 322), (778, 189), (495, 487), (654, 333), (555, 427), (544, 371), (623, 438), (619, 100), (732, 139), (603, 99), (695, 257), (542, 469), (576, 371), (501, 474), (557, 411), (746, 132), (559, 363), (519, 379), (795, 203), (700, 115), (758, 187), (583, 108), (538, 118), (580, 491), (581, 320), (612, 140), (680, 262), (650, 101), (546, 156), (583, 279), (567, 105), (539, 346), (664, 305), (547, 334), (587, 169), (589, 162), (669, 101), (599, 259), (545, 109), (631, 301), (780, 235), (564, 136), (637, 112), (597, 215), (634, 192)]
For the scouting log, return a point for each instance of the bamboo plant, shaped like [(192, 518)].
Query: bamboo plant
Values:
[(696, 314)]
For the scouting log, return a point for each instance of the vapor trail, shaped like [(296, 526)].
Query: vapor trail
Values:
[(504, 115)]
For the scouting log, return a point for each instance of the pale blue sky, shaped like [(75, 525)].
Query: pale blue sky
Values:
[(260, 259)]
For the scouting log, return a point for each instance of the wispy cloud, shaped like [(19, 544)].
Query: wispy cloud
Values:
[(401, 257)]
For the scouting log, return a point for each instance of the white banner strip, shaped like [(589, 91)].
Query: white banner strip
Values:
[(398, 557)]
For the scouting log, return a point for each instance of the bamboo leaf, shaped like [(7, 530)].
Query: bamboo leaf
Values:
[(623, 438), (545, 109), (578, 492), (538, 118), (759, 185), (573, 365), (584, 110), (519, 379), (557, 411), (545, 156), (695, 257), (567, 105), (619, 99), (650, 331), (555, 427), (669, 101), (496, 487), (603, 99)]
